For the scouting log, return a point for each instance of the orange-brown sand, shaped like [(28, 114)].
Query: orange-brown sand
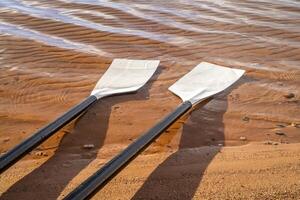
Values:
[(243, 144)]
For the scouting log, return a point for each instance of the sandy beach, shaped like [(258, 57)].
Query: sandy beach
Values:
[(243, 144)]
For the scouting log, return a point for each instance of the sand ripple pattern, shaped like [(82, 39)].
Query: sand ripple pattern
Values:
[(53, 52)]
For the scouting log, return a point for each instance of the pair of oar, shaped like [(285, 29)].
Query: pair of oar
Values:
[(204, 81), (124, 76)]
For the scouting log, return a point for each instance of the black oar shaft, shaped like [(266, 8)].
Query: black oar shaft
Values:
[(37, 138), (109, 170)]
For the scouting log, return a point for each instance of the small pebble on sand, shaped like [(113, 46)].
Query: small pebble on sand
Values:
[(88, 146), (279, 133), (243, 138), (268, 142), (296, 125), (289, 95), (271, 143), (246, 119), (6, 139), (40, 153)]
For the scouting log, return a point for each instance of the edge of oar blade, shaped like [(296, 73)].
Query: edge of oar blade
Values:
[(205, 80), (125, 75)]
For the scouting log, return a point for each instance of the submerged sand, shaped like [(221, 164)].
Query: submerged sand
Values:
[(243, 144)]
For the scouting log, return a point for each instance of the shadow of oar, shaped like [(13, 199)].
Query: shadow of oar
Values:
[(179, 176), (50, 179)]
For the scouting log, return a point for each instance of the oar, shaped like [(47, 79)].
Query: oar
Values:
[(123, 76), (204, 81)]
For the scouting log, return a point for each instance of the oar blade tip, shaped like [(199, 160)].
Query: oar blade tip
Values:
[(205, 80), (125, 75)]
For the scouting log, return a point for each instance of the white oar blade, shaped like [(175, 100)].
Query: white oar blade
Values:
[(205, 80), (125, 76)]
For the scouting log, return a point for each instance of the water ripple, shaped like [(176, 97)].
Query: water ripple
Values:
[(19, 31), (53, 52)]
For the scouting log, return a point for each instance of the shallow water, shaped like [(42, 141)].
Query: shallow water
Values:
[(53, 52)]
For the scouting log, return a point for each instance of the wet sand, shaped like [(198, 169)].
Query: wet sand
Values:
[(243, 144)]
